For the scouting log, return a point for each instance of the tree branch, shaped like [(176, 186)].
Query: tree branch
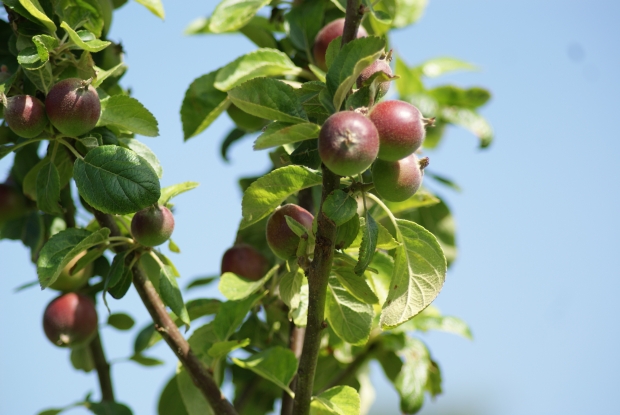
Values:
[(322, 262), (201, 376), (317, 284), (103, 368)]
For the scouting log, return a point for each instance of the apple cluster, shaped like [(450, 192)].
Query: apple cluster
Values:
[(384, 136), (72, 106)]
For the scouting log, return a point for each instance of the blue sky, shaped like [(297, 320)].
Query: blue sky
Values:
[(537, 218)]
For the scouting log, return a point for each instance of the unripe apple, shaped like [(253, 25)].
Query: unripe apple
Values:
[(25, 115), (401, 129), (73, 107), (12, 203), (325, 36), (70, 320), (280, 238), (70, 282), (397, 180), (245, 261), (152, 226), (348, 143), (380, 65)]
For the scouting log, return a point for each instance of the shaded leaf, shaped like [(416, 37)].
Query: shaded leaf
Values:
[(269, 191), (348, 317), (128, 113), (202, 104), (279, 133), (275, 364)]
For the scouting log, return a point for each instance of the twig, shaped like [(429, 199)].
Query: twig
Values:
[(317, 285), (103, 368), (200, 375)]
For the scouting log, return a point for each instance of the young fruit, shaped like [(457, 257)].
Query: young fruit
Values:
[(348, 143), (401, 129), (380, 65), (25, 115), (67, 282), (73, 106), (12, 203), (280, 238), (152, 226), (70, 320), (397, 180), (245, 261), (328, 33)]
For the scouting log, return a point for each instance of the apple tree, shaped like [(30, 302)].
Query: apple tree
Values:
[(340, 249)]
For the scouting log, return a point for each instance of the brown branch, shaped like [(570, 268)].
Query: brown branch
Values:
[(200, 375), (296, 344), (202, 378), (321, 265), (317, 285), (103, 368)]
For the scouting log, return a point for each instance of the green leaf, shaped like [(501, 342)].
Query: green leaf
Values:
[(169, 192), (128, 113), (355, 285), (170, 400), (270, 99), (199, 282), (258, 31), (471, 121), (279, 133), (232, 314), (108, 408), (34, 8), (202, 104), (275, 364), (48, 189), (116, 273), (82, 358), (347, 232), (5, 150), (290, 288), (230, 15), (51, 411), (193, 400), (413, 377), (202, 307), (94, 45), (340, 207), (353, 58), (439, 66), (300, 314), (261, 62), (383, 264), (339, 400), (305, 21), (307, 154), (370, 234), (221, 349), (410, 81), (451, 95), (42, 78), (348, 317), (233, 136), (121, 321), (333, 49), (171, 294), (154, 6), (116, 180), (419, 273), (431, 319), (269, 191), (384, 238), (145, 360), (119, 290), (30, 58), (235, 287), (408, 12), (102, 74), (61, 248), (145, 152)]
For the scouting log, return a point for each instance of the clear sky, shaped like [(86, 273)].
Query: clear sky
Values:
[(538, 222)]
